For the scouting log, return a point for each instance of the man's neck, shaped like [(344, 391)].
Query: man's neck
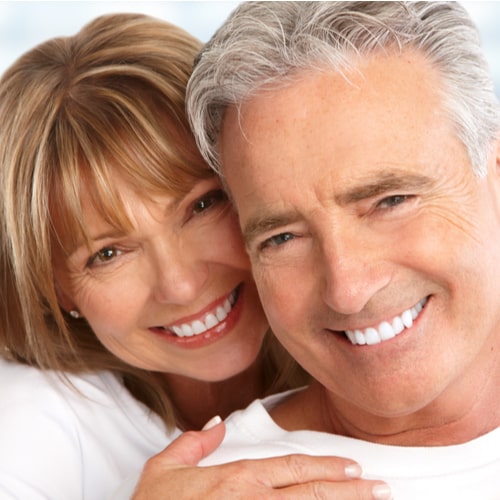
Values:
[(453, 418)]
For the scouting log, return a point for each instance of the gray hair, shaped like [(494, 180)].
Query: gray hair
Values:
[(268, 43)]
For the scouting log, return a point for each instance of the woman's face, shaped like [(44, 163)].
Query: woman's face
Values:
[(174, 294)]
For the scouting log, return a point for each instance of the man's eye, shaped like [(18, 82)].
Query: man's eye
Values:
[(277, 240), (393, 201), (103, 256), (208, 200)]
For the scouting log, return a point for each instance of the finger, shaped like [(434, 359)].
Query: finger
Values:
[(278, 472), (356, 489), (189, 448)]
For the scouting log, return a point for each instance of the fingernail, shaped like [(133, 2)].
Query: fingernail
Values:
[(382, 492), (353, 471), (212, 423)]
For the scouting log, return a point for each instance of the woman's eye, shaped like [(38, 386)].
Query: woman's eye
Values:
[(276, 241), (393, 201), (208, 200), (103, 256)]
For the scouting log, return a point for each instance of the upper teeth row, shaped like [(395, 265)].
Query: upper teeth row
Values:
[(212, 319), (386, 330)]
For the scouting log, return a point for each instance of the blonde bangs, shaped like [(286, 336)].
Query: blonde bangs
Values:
[(144, 141)]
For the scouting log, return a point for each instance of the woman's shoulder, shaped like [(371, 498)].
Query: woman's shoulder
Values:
[(89, 425), (20, 382), (97, 396)]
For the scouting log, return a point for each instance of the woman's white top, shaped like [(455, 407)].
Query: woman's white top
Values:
[(58, 443)]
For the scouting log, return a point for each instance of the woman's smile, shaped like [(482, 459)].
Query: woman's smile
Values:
[(208, 325)]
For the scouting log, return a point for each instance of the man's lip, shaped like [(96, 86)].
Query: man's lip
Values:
[(386, 329)]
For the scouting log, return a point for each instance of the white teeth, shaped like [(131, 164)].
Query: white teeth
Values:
[(211, 319), (198, 327), (178, 331), (397, 325), (407, 319), (221, 314), (386, 330), (372, 336), (187, 331), (360, 338), (352, 336)]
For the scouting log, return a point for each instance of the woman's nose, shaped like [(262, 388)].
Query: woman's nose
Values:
[(179, 276)]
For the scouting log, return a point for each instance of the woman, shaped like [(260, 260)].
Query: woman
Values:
[(128, 310)]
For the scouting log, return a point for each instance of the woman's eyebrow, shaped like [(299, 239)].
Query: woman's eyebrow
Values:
[(102, 236)]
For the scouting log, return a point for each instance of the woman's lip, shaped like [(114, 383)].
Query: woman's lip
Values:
[(211, 335), (200, 315), (210, 320)]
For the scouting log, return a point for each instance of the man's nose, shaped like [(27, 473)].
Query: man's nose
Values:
[(353, 272)]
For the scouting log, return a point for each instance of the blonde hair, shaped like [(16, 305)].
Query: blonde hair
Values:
[(74, 110)]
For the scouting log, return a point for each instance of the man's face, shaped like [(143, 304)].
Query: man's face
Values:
[(361, 214)]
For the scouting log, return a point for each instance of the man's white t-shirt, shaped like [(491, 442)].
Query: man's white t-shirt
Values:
[(60, 444), (469, 471)]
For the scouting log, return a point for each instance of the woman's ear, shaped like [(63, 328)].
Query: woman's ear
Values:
[(64, 300)]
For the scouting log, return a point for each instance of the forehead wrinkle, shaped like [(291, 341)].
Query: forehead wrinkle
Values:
[(382, 183)]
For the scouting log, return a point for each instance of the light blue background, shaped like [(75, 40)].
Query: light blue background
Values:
[(24, 24)]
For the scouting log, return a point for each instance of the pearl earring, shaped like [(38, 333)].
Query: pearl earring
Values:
[(74, 313)]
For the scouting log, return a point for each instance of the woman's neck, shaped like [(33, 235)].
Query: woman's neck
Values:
[(197, 401)]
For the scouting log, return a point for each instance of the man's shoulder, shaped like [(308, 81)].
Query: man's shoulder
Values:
[(414, 472)]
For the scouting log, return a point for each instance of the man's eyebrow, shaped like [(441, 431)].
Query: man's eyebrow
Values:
[(388, 181), (261, 222), (383, 183)]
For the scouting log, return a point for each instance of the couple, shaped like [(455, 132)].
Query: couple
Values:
[(359, 143)]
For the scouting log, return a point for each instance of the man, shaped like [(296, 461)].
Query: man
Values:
[(360, 143)]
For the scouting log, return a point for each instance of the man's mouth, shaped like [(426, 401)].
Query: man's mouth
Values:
[(387, 329), (209, 320)]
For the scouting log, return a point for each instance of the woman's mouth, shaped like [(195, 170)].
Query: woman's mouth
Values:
[(209, 320), (387, 329)]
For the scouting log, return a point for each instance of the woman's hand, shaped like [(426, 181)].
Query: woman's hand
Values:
[(172, 474)]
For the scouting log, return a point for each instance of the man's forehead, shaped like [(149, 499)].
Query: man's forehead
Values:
[(305, 138)]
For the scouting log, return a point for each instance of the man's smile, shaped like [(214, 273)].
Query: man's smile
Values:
[(386, 330)]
